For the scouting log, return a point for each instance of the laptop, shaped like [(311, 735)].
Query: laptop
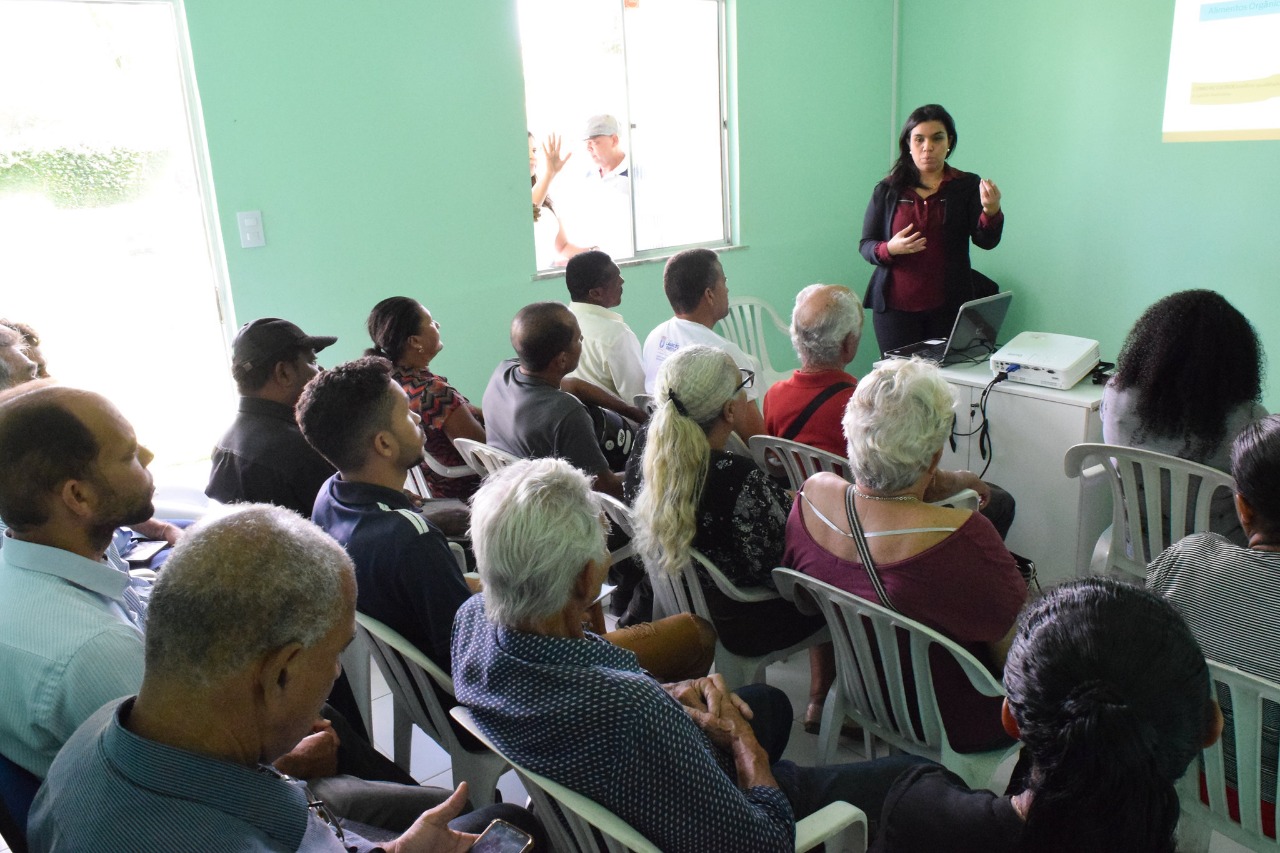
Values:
[(973, 337)]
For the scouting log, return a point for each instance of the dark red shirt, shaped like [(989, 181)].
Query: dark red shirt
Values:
[(919, 279)]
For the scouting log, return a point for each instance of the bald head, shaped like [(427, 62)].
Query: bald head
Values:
[(52, 436), (826, 326), (542, 331)]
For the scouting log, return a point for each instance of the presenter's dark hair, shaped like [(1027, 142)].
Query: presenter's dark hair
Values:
[(585, 271), (1111, 694), (1255, 465), (391, 323), (904, 174), (1190, 360), (342, 409)]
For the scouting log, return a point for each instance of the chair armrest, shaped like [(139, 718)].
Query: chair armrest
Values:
[(837, 818), (746, 596), (963, 499), (453, 472)]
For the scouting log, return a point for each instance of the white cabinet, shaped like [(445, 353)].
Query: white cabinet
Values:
[(1030, 430)]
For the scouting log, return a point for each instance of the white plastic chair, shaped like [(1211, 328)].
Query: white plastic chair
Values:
[(800, 461), (356, 665), (412, 676), (1183, 508), (620, 517), (416, 481), (686, 593), (745, 326), (645, 401), (841, 826), (884, 711), (482, 458), (1199, 820)]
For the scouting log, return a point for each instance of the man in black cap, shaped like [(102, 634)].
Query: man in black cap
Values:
[(263, 458)]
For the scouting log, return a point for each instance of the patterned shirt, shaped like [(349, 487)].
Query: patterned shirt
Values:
[(70, 640), (434, 399), (583, 713)]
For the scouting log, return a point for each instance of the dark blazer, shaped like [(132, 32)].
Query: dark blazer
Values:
[(962, 209)]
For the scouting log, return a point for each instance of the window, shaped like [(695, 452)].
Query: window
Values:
[(106, 217), (657, 67)]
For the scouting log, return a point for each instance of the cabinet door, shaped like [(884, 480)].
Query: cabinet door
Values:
[(1029, 437)]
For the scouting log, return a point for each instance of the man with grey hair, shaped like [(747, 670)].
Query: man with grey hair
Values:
[(826, 328), (246, 625), (689, 765)]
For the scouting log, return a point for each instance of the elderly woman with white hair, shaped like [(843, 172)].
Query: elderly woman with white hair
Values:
[(690, 492), (942, 566)]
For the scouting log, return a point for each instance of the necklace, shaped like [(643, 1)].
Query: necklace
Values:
[(900, 498)]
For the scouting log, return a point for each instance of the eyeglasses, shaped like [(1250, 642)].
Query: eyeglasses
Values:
[(748, 379)]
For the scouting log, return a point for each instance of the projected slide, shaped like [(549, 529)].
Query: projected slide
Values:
[(1224, 71)]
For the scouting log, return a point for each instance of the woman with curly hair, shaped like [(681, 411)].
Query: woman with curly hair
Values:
[(1188, 379), (1109, 693), (405, 334)]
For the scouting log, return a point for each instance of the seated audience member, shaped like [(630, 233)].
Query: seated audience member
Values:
[(1230, 595), (1109, 693), (247, 622), (689, 492), (30, 346), (690, 766), (408, 578), (71, 472), (695, 285), (526, 412), (826, 327), (941, 566), (16, 367), (405, 334), (263, 458), (610, 350), (1187, 380)]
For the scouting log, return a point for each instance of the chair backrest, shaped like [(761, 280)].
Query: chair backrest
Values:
[(867, 643), (412, 676), (1248, 696), (745, 326), (620, 517), (1181, 503), (482, 458), (800, 461), (578, 814)]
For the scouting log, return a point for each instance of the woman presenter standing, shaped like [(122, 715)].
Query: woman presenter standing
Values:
[(917, 230)]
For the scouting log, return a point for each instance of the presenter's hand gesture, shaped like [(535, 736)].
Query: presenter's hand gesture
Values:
[(990, 194), (908, 241)]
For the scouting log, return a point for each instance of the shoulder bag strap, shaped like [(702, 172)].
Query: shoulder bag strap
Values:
[(816, 403), (860, 539)]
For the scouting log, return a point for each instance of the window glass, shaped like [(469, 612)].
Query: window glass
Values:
[(105, 245), (655, 66)]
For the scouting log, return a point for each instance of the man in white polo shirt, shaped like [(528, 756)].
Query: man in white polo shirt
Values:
[(696, 287), (610, 350)]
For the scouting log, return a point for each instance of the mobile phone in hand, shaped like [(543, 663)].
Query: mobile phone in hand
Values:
[(502, 837)]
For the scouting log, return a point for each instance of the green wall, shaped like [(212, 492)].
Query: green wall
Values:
[(384, 143), (1061, 104)]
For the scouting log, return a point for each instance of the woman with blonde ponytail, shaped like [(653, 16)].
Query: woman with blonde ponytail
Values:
[(1109, 693), (689, 492)]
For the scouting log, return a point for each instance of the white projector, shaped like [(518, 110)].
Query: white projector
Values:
[(1046, 359)]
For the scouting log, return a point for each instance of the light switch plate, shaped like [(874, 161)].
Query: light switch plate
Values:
[(250, 224)]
